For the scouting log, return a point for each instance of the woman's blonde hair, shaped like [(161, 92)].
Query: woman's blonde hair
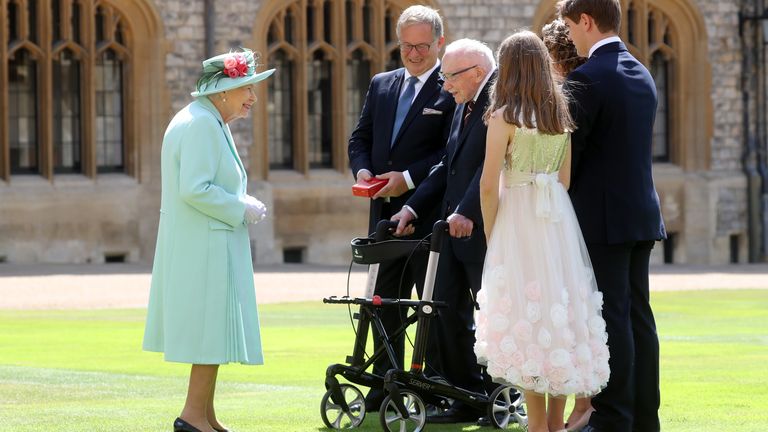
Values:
[(526, 88)]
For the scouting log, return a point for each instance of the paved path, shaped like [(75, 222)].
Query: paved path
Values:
[(97, 286)]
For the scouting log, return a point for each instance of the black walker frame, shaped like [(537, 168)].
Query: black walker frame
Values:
[(404, 407)]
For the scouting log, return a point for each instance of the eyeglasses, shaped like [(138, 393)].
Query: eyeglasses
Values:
[(421, 48), (450, 76)]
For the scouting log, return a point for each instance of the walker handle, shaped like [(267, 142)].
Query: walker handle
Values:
[(439, 229), (383, 229)]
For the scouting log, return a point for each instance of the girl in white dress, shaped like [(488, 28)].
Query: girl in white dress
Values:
[(539, 327)]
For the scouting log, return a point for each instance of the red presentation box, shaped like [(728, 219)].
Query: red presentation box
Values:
[(368, 188)]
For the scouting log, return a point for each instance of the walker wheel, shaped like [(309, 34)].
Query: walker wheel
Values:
[(504, 406), (335, 417), (393, 421)]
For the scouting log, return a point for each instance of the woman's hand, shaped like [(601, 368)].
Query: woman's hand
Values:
[(255, 210)]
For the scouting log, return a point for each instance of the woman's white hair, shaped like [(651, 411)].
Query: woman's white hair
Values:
[(419, 14), (475, 48)]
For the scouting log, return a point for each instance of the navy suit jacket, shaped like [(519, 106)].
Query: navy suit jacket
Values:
[(419, 145), (613, 103), (454, 184)]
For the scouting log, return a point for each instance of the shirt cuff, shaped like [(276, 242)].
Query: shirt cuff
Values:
[(359, 171), (410, 209), (408, 180)]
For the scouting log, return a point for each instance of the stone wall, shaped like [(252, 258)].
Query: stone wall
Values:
[(489, 21), (727, 181), (705, 208), (722, 22), (73, 220), (315, 212)]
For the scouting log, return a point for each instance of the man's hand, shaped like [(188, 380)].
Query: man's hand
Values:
[(403, 217), (460, 226), (364, 174), (395, 187)]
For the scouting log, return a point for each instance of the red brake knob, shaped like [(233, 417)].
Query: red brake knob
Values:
[(377, 300)]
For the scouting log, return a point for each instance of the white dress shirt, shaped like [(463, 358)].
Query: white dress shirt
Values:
[(606, 41)]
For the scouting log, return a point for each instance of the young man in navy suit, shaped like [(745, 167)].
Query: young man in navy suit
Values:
[(614, 106), (401, 134), (454, 187)]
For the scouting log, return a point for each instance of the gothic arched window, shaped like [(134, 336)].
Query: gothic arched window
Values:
[(57, 58), (651, 37), (326, 52), (22, 117), (67, 119), (279, 107), (660, 71), (319, 109), (111, 58)]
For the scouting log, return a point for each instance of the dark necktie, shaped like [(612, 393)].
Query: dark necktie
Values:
[(467, 111), (403, 105)]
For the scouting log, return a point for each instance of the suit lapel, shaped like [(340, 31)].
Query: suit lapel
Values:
[(453, 137), (474, 117), (430, 87)]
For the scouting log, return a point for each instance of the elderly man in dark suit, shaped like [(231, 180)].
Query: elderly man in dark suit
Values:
[(454, 188), (401, 134), (614, 105)]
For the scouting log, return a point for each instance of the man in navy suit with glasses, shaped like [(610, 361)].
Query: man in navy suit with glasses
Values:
[(401, 134)]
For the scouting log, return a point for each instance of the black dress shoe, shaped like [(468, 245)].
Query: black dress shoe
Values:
[(373, 400), (433, 409), (453, 415), (180, 425), (484, 421)]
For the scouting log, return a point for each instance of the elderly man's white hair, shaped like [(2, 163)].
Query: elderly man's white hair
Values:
[(475, 48)]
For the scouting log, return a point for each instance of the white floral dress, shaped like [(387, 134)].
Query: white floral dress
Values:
[(539, 327)]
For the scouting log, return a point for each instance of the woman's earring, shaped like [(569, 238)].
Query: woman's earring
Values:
[(223, 98)]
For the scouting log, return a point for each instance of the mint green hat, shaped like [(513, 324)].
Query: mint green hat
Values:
[(229, 71)]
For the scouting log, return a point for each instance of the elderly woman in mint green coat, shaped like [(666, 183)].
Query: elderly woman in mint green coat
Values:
[(202, 305)]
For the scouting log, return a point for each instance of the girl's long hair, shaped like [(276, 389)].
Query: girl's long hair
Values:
[(525, 87)]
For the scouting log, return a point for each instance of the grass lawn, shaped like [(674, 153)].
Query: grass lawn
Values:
[(85, 371)]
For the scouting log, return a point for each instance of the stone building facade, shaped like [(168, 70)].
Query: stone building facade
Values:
[(62, 200)]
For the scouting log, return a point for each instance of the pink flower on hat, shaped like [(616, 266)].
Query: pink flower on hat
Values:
[(230, 62), (230, 66), (242, 64), (235, 65)]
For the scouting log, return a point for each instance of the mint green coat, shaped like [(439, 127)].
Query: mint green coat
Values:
[(202, 304)]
